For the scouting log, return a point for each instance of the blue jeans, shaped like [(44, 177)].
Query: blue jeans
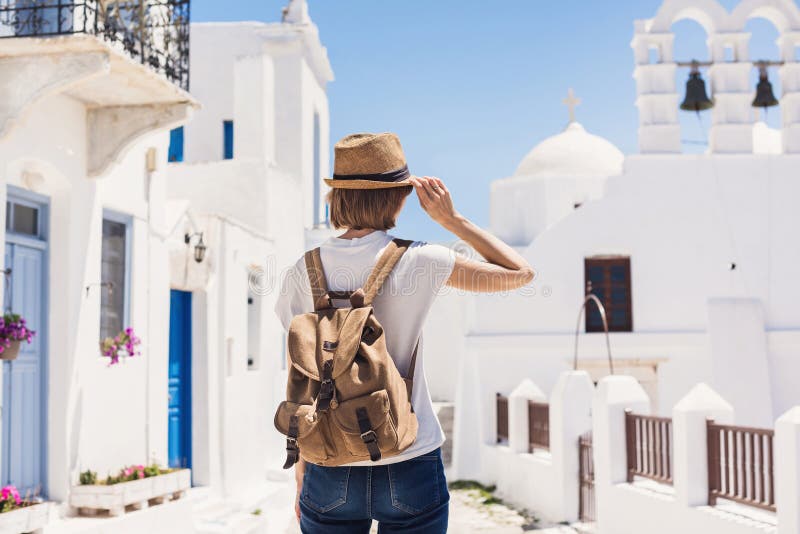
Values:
[(409, 497)]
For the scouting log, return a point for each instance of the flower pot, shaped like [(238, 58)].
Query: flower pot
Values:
[(26, 519), (11, 352), (138, 494)]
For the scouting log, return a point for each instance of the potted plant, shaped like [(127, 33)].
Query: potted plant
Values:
[(123, 345), (137, 486), (13, 331), (21, 515)]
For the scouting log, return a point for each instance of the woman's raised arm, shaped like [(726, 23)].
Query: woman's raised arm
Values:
[(503, 270)]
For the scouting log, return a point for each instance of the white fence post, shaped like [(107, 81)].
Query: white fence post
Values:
[(614, 395), (570, 417), (787, 471), (690, 454), (518, 413)]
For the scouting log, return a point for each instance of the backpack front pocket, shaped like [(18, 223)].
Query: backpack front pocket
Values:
[(376, 425), (314, 445)]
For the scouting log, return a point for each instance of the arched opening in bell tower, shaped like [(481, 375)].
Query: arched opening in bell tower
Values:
[(691, 43), (764, 37)]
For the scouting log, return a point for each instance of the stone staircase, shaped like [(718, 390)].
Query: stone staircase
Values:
[(255, 513), (445, 411)]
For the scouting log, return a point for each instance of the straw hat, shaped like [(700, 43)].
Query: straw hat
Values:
[(369, 161)]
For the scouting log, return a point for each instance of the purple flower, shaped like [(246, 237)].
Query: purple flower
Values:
[(123, 344), (14, 328)]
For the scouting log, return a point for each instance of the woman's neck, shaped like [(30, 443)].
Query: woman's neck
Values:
[(355, 234)]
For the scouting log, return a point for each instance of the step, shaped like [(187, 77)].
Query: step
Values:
[(445, 411), (274, 499)]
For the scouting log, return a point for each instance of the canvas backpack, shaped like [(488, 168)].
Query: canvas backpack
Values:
[(345, 399)]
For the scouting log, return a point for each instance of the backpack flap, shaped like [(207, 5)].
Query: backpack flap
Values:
[(349, 339), (314, 338)]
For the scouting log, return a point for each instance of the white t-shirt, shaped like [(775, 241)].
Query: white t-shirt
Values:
[(401, 306)]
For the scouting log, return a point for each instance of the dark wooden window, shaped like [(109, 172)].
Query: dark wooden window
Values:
[(610, 279)]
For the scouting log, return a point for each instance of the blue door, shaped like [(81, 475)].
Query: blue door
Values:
[(24, 399), (180, 379)]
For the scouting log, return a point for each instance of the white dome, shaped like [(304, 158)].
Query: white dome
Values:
[(573, 152)]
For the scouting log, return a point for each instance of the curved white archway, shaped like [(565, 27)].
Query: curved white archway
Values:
[(708, 13), (783, 14)]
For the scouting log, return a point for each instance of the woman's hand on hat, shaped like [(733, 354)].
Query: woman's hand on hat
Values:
[(434, 197)]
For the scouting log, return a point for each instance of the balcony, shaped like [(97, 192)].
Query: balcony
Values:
[(154, 32), (126, 61)]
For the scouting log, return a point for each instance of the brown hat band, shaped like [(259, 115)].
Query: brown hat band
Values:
[(397, 175)]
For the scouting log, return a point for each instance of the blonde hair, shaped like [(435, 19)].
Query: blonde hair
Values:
[(366, 208)]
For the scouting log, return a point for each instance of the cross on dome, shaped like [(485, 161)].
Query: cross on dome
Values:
[(571, 102)]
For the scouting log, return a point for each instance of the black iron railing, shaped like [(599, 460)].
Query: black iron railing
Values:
[(155, 32)]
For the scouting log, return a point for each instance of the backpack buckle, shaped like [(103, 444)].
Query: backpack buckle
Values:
[(292, 447), (369, 436)]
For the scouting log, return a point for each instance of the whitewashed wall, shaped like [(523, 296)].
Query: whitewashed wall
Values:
[(229, 399), (682, 220), (547, 481), (270, 80), (522, 207), (91, 405)]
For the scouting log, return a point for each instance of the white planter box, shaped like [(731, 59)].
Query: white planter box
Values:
[(137, 493), (28, 519)]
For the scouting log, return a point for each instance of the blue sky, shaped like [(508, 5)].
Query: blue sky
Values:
[(472, 86)]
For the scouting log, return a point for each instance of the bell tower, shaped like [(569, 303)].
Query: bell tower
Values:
[(656, 93), (789, 43), (732, 115), (729, 78)]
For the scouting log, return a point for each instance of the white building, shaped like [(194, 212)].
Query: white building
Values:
[(84, 197), (102, 234), (692, 255), (255, 154)]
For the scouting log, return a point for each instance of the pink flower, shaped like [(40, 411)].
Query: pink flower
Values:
[(10, 491)]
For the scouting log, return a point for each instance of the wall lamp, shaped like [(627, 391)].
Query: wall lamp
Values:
[(199, 248)]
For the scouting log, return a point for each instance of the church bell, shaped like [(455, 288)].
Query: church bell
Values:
[(696, 98), (765, 98)]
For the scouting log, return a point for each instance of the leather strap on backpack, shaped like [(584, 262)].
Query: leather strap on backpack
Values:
[(327, 390), (292, 449), (316, 278), (368, 435), (394, 251)]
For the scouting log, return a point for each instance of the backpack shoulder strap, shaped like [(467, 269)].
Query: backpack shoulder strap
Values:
[(316, 277), (413, 362), (391, 255)]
